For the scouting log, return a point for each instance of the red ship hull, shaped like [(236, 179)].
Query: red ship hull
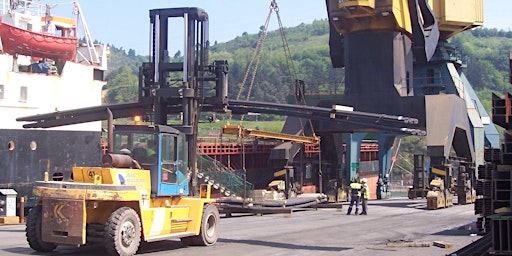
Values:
[(28, 43)]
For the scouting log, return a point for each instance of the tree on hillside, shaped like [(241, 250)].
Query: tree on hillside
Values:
[(131, 53), (486, 57), (123, 87), (118, 58)]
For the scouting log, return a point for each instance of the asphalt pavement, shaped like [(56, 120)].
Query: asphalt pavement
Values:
[(391, 227)]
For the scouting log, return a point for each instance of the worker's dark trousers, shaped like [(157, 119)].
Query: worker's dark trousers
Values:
[(353, 199), (364, 204)]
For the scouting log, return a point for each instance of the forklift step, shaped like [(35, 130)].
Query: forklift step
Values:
[(181, 220), (177, 206), (170, 236)]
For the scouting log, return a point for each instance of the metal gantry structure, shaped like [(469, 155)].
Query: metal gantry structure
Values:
[(398, 61)]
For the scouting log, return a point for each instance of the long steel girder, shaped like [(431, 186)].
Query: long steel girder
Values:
[(369, 121), (82, 115), (372, 121)]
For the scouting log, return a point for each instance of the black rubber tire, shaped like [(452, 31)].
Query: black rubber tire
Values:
[(209, 231), (33, 231), (123, 232)]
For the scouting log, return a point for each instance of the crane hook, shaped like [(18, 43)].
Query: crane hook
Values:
[(273, 5)]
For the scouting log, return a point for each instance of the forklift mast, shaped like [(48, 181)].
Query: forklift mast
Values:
[(179, 85)]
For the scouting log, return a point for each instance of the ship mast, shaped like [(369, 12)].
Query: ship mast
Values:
[(93, 54)]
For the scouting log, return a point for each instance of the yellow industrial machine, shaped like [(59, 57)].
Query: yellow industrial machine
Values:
[(437, 196), (124, 206), (144, 189), (117, 204)]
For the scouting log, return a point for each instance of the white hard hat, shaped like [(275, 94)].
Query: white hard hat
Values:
[(364, 180)]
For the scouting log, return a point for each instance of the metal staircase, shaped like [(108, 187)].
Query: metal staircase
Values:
[(220, 177)]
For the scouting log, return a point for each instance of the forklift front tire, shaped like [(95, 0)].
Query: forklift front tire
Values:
[(123, 232)]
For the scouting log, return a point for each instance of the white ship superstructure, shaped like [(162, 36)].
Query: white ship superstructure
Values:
[(40, 73)]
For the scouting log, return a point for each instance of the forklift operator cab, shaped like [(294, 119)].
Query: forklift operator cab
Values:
[(158, 149)]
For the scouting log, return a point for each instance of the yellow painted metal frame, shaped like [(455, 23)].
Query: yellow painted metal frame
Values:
[(241, 131), (455, 16), (280, 173), (438, 172), (351, 16), (101, 193)]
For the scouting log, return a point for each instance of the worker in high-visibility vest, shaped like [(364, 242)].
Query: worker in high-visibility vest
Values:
[(355, 188), (365, 195)]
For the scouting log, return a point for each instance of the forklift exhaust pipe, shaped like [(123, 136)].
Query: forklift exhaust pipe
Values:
[(116, 161), (110, 135)]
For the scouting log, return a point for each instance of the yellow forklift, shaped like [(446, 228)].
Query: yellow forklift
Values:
[(145, 189)]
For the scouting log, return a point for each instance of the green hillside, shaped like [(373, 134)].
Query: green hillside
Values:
[(485, 50)]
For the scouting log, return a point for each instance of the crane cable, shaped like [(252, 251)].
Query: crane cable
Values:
[(289, 63), (294, 78), (256, 55)]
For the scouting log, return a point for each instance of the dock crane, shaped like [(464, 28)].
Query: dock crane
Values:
[(397, 60)]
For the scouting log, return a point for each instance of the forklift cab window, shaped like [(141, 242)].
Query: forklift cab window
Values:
[(142, 146), (169, 157)]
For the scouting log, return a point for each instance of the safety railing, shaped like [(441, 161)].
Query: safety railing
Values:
[(220, 177), (24, 6)]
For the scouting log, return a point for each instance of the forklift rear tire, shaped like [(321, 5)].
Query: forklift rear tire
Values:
[(209, 228), (123, 232), (33, 231)]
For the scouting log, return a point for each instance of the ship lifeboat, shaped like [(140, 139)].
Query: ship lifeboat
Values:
[(35, 44)]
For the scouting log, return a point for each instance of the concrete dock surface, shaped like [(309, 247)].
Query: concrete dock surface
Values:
[(397, 226)]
